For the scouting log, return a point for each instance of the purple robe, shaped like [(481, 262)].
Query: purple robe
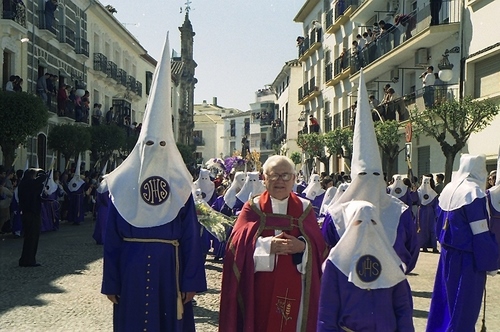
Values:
[(316, 202), (143, 274), (102, 204), (406, 244), (342, 304), (425, 221), (494, 223), (461, 273), (76, 211), (50, 212)]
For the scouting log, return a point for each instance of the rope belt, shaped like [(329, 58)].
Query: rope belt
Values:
[(175, 243)]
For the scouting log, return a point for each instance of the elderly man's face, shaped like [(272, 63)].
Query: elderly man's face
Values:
[(280, 188)]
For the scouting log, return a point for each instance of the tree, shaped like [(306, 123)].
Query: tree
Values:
[(452, 122), (104, 140), (21, 115), (388, 138), (69, 140), (339, 142), (187, 153), (314, 145), (296, 157)]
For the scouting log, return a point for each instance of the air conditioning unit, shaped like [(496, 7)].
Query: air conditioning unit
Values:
[(422, 57)]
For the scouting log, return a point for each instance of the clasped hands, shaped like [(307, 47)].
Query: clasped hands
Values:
[(285, 244)]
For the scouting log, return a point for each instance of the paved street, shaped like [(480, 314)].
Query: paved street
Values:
[(64, 294)]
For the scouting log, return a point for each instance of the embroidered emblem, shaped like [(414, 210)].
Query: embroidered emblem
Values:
[(368, 268), (74, 185), (284, 307), (398, 191), (155, 190), (426, 196), (313, 193), (203, 195)]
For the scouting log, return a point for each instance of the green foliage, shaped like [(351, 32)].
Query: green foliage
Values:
[(187, 153), (388, 137), (296, 157), (339, 141), (69, 140), (452, 122), (104, 140), (21, 115), (313, 144)]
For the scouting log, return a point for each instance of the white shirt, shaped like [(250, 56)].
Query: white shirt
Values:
[(429, 79)]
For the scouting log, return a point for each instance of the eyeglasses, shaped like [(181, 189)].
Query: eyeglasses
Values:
[(284, 176)]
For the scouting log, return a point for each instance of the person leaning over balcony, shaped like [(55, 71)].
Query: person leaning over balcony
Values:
[(18, 84), (355, 55), (313, 124), (62, 99), (435, 9), (50, 8), (428, 81), (9, 87), (41, 87)]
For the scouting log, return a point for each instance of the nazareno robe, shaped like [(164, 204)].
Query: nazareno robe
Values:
[(102, 203), (249, 299), (219, 205), (143, 274), (494, 222), (342, 304), (461, 272), (76, 211), (425, 221), (50, 212), (316, 202)]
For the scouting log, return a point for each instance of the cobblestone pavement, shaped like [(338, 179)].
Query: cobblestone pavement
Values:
[(64, 293)]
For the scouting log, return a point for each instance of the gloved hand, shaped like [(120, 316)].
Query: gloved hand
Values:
[(492, 273)]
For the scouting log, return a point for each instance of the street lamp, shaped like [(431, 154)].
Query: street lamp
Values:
[(445, 67)]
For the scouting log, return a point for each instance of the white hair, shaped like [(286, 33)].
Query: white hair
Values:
[(275, 160)]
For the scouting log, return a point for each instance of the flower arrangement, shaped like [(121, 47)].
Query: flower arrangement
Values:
[(236, 162), (214, 222)]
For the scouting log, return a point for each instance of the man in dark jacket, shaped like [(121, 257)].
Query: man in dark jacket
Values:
[(30, 202)]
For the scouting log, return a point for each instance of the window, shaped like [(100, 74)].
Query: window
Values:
[(233, 128), (424, 160), (486, 76)]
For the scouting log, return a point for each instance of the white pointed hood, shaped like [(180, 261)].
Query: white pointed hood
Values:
[(205, 185), (364, 254), (103, 186), (76, 181), (253, 186), (398, 188), (151, 186), (236, 185), (340, 191), (467, 185), (329, 195), (495, 190), (313, 189), (425, 192), (366, 172), (50, 185)]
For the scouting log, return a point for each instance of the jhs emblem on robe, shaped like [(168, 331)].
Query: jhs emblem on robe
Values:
[(368, 268), (398, 191), (313, 193), (155, 190), (203, 195), (284, 307), (74, 185), (426, 196)]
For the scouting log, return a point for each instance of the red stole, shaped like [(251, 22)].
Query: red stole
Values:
[(278, 307)]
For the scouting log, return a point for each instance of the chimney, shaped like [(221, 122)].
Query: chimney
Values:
[(204, 103), (214, 101)]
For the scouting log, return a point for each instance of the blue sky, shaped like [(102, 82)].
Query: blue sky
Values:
[(240, 45)]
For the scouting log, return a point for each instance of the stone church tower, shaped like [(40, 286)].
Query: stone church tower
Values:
[(187, 82)]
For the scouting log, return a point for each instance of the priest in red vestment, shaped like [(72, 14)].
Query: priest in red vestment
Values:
[(272, 268)]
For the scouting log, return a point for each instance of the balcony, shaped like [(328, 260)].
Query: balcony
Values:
[(265, 145), (112, 70), (46, 23), (82, 47), (347, 119), (15, 11), (67, 36), (440, 94), (121, 77), (100, 62), (341, 69), (138, 88), (308, 92), (338, 17), (398, 47), (131, 83), (310, 44)]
